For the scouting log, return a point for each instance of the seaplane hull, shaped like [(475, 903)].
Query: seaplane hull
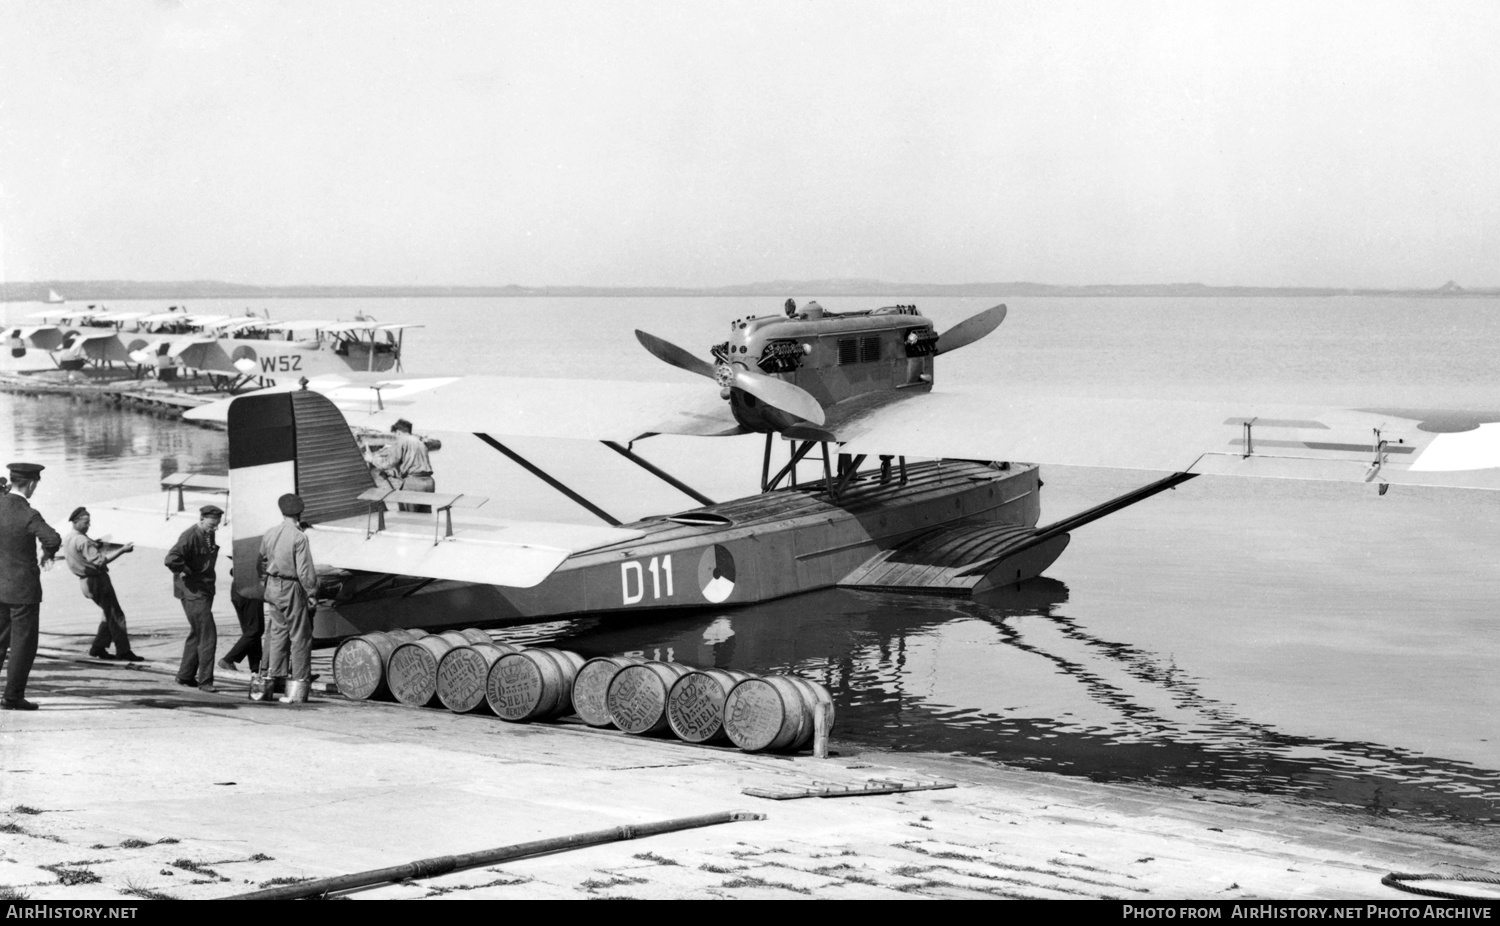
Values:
[(773, 545)]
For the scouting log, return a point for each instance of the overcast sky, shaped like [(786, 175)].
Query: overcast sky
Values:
[(708, 143)]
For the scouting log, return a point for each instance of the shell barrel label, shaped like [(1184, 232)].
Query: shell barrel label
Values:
[(357, 669), (461, 678), (413, 675), (716, 574), (515, 687)]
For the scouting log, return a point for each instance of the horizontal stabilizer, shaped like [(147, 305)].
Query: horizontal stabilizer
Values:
[(940, 561)]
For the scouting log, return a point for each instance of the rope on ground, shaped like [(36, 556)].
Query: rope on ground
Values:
[(1398, 881)]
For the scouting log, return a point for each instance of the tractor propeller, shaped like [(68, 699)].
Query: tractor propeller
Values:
[(774, 392), (970, 330)]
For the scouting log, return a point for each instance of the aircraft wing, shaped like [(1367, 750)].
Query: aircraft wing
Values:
[(1404, 446), (202, 354), (566, 408), (42, 337), (521, 407), (102, 345), (518, 554)]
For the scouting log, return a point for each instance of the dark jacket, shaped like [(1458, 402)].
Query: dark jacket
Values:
[(21, 529), (192, 560)]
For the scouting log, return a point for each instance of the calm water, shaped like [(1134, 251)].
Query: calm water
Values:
[(1301, 638)]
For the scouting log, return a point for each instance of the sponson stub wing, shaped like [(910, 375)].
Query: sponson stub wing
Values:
[(1401, 446)]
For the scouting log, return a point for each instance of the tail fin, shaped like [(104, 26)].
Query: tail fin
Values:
[(288, 442)]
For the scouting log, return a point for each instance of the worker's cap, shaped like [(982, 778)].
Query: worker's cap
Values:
[(210, 511), (290, 505), (32, 471), (78, 512)]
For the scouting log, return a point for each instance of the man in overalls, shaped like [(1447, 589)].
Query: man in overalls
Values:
[(291, 586)]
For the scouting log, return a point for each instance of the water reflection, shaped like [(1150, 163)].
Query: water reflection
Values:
[(1012, 678), (99, 451)]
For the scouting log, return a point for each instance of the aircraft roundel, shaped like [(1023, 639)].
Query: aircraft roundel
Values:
[(716, 574)]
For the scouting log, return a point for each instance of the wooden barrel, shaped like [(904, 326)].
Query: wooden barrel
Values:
[(476, 636), (359, 666), (695, 704), (774, 713), (637, 696), (412, 670), (591, 687), (533, 684), (462, 673)]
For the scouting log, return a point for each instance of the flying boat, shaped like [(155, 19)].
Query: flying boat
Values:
[(875, 474)]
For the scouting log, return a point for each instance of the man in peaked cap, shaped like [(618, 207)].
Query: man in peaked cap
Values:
[(90, 563), (291, 586), (21, 530), (191, 561)]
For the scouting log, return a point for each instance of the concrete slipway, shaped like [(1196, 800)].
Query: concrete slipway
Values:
[(126, 785)]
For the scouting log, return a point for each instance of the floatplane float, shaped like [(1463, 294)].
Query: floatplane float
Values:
[(913, 488)]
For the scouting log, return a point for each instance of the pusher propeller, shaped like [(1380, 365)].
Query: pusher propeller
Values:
[(970, 330), (768, 389)]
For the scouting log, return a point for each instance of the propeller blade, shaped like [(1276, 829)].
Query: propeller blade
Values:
[(676, 356), (970, 330), (779, 394)]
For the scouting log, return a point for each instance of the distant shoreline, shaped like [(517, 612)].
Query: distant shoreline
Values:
[(75, 291)]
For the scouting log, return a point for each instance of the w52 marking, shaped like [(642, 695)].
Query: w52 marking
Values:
[(633, 579), (282, 363)]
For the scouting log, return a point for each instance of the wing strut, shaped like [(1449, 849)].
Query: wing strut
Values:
[(1043, 534), (542, 475), (661, 474)]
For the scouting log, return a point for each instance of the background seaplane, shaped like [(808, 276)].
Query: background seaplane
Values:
[(854, 387)]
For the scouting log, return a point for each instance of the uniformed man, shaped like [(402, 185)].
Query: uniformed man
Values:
[(191, 561), (291, 586), (21, 529), (404, 462), (88, 561)]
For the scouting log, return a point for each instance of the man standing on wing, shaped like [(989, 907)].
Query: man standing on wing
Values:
[(291, 586), (21, 529), (191, 561), (88, 561), (405, 463)]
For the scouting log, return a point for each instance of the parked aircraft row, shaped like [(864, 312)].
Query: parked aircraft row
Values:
[(233, 350)]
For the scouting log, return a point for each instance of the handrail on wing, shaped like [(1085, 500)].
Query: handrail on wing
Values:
[(199, 482), (442, 508)]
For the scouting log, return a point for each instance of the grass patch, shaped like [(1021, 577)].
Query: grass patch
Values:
[(22, 808), (498, 882), (145, 893), (260, 857), (653, 857), (278, 881), (752, 881), (13, 893), (12, 827), (617, 881), (168, 841), (71, 876), (719, 869), (134, 843)]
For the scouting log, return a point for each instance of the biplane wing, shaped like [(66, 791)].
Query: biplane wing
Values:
[(41, 337), (202, 354), (103, 345), (1403, 446)]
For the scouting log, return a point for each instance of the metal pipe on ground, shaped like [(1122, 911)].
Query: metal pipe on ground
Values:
[(443, 864)]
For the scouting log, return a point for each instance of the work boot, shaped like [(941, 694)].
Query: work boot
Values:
[(19, 704), (131, 657), (296, 692), (226, 665)]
